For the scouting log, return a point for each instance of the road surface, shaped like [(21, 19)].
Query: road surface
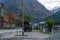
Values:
[(31, 36)]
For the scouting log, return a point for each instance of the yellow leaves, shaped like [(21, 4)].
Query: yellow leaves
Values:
[(20, 19), (11, 18)]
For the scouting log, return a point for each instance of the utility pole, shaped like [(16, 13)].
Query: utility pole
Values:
[(22, 18), (1, 14), (1, 6), (1, 17)]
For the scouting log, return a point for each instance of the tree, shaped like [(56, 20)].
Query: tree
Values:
[(21, 23), (11, 19), (27, 17), (50, 24), (19, 20)]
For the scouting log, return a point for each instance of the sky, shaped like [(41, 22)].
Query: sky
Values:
[(50, 4)]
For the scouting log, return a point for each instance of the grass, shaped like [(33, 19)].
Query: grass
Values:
[(36, 28), (45, 32)]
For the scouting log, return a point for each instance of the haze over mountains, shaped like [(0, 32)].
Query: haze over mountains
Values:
[(35, 9), (56, 15), (56, 9)]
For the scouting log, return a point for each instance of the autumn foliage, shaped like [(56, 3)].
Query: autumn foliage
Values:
[(11, 18)]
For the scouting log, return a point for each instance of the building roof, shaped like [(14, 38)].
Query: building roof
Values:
[(43, 22)]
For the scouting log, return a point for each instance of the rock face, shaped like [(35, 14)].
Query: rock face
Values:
[(35, 9)]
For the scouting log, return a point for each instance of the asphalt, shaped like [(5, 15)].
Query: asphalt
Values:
[(30, 36)]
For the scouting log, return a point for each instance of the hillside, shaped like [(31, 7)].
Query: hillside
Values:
[(35, 9)]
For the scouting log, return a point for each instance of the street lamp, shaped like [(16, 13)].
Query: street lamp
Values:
[(22, 19)]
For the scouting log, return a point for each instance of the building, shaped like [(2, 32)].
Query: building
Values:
[(43, 26)]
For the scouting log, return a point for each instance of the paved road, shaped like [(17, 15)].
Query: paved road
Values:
[(31, 36), (35, 34)]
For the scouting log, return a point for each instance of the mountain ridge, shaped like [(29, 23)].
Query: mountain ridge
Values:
[(32, 7), (55, 16)]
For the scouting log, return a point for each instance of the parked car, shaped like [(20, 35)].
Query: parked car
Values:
[(27, 26)]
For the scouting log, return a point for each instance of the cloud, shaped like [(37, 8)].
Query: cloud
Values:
[(50, 4)]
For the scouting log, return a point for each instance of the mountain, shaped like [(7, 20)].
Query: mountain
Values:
[(56, 15), (56, 9), (35, 9)]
